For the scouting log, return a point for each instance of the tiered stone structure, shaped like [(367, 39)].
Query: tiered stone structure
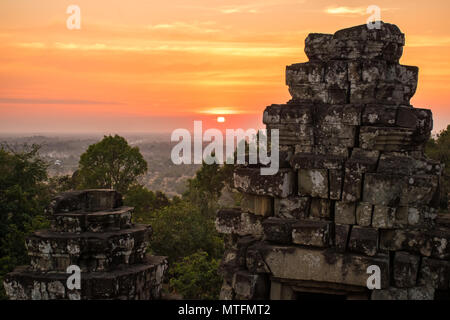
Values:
[(92, 230), (354, 189)]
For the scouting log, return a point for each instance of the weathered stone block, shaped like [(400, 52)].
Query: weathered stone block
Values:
[(370, 155), (380, 189), (425, 165), (336, 73), (395, 163), (86, 200), (363, 240), (335, 134), (424, 124), (381, 115), (364, 214), (393, 93), (401, 217), (374, 44), (361, 164), (331, 151), (387, 138), (406, 117), (440, 243), (320, 208), (229, 264), (249, 180), (288, 114), (310, 92), (278, 230), (420, 190), (316, 46), (435, 273), (303, 148), (361, 93), (351, 191), (406, 267), (305, 73), (271, 114), (254, 259), (226, 292), (137, 282), (259, 205), (294, 134), (374, 71), (383, 217), (407, 75), (414, 241), (313, 182), (311, 233), (233, 221), (296, 113), (54, 251), (421, 293), (354, 71), (250, 225), (335, 179), (341, 232), (250, 286), (346, 114), (242, 245), (323, 265), (314, 161), (292, 207), (101, 221), (344, 213), (390, 294)]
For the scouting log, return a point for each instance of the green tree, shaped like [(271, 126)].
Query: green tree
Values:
[(145, 202), (111, 163), (439, 149), (24, 195), (196, 277), (180, 230), (60, 184), (205, 188)]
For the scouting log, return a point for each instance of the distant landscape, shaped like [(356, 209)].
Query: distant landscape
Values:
[(62, 152)]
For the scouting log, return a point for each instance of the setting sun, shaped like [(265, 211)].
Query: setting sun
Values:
[(221, 119)]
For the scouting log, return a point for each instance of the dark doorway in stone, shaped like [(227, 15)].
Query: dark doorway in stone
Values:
[(319, 296)]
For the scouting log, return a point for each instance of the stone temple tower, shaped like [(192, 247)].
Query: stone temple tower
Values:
[(92, 230), (354, 192)]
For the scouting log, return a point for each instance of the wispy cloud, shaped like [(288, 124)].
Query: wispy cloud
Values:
[(56, 101), (346, 10), (351, 11), (248, 8), (251, 8), (197, 27), (219, 48)]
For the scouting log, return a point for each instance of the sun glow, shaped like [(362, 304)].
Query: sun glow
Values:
[(221, 111), (221, 119)]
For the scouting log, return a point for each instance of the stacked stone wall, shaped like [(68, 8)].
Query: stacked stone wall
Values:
[(94, 232), (354, 188)]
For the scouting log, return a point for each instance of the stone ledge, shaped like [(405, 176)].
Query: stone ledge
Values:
[(141, 281), (99, 221), (322, 265)]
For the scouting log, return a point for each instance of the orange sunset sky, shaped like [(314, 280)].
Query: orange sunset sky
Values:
[(153, 66)]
